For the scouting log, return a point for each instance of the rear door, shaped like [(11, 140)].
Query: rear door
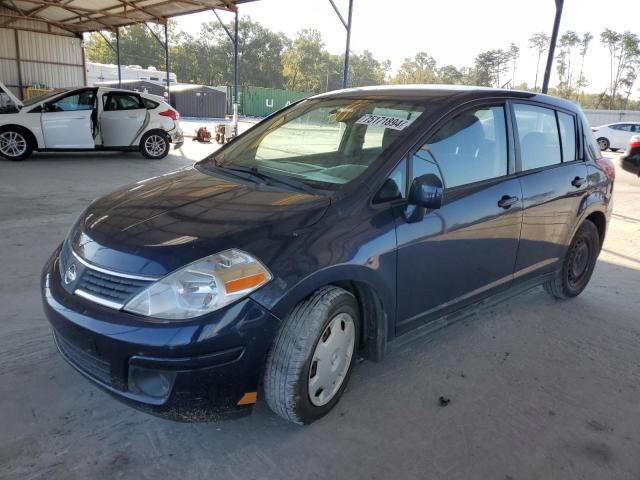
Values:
[(66, 121), (123, 117), (468, 247), (553, 176)]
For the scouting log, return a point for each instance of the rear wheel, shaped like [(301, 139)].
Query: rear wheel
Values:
[(154, 145), (15, 143), (578, 264), (603, 143), (312, 357)]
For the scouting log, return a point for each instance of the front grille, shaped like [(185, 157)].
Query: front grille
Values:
[(110, 287), (88, 363)]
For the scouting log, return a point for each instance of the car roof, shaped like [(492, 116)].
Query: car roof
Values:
[(444, 93)]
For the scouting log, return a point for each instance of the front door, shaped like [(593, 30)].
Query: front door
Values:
[(67, 121), (122, 119), (468, 247), (554, 182)]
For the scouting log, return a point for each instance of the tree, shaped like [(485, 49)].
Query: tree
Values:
[(450, 75), (568, 41), (419, 69), (489, 66), (514, 54), (137, 47), (584, 47), (624, 51), (260, 52), (97, 50), (364, 69), (540, 43), (305, 62)]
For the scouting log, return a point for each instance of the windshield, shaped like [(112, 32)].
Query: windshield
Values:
[(6, 103), (322, 142), (44, 96)]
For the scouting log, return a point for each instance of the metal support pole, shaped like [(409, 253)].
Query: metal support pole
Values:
[(166, 57), (552, 45), (345, 81), (118, 57), (236, 66)]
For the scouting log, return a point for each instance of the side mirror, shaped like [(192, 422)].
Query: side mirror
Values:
[(426, 192)]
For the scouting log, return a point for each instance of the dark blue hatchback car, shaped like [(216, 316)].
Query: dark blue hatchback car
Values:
[(319, 235)]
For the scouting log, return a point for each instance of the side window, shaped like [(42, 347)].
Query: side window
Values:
[(423, 163), (568, 136), (471, 147), (538, 136), (150, 104), (77, 101), (395, 187), (123, 101)]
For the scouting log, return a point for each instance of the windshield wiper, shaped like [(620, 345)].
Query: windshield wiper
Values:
[(270, 177)]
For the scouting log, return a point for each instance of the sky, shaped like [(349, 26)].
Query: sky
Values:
[(452, 31)]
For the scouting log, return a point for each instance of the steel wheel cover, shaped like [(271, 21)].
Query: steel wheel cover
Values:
[(331, 359)]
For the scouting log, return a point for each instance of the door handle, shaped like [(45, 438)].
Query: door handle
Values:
[(577, 182), (506, 201)]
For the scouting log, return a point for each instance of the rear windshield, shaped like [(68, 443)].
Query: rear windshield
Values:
[(324, 142)]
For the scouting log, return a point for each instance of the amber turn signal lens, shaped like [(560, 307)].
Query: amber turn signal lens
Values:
[(244, 283)]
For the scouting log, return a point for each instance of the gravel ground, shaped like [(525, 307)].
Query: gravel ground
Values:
[(539, 389)]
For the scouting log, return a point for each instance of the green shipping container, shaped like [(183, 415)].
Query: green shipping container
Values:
[(262, 102)]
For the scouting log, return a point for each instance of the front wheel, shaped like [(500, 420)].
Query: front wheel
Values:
[(312, 356), (154, 145), (578, 264), (15, 144)]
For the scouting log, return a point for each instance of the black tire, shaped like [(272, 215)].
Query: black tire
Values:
[(18, 140), (603, 143), (289, 363), (154, 145), (614, 149), (578, 263)]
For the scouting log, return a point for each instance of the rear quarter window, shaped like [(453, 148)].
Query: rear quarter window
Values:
[(150, 104)]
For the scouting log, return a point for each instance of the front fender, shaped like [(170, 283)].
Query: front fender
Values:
[(28, 121), (358, 248)]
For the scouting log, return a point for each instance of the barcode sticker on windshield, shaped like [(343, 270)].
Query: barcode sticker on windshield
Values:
[(385, 122)]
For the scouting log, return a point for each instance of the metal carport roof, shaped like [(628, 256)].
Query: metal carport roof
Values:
[(80, 16)]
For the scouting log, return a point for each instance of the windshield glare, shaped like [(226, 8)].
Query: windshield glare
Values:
[(326, 142)]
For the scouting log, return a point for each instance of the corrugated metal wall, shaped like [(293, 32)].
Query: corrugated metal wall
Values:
[(603, 117), (33, 53)]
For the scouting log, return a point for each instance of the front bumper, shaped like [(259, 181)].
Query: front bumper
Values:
[(211, 366)]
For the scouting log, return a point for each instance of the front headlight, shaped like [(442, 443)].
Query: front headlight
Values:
[(201, 287)]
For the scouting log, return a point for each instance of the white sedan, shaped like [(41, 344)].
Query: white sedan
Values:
[(88, 118), (615, 136)]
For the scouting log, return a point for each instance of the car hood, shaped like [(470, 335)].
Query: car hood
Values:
[(158, 225)]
